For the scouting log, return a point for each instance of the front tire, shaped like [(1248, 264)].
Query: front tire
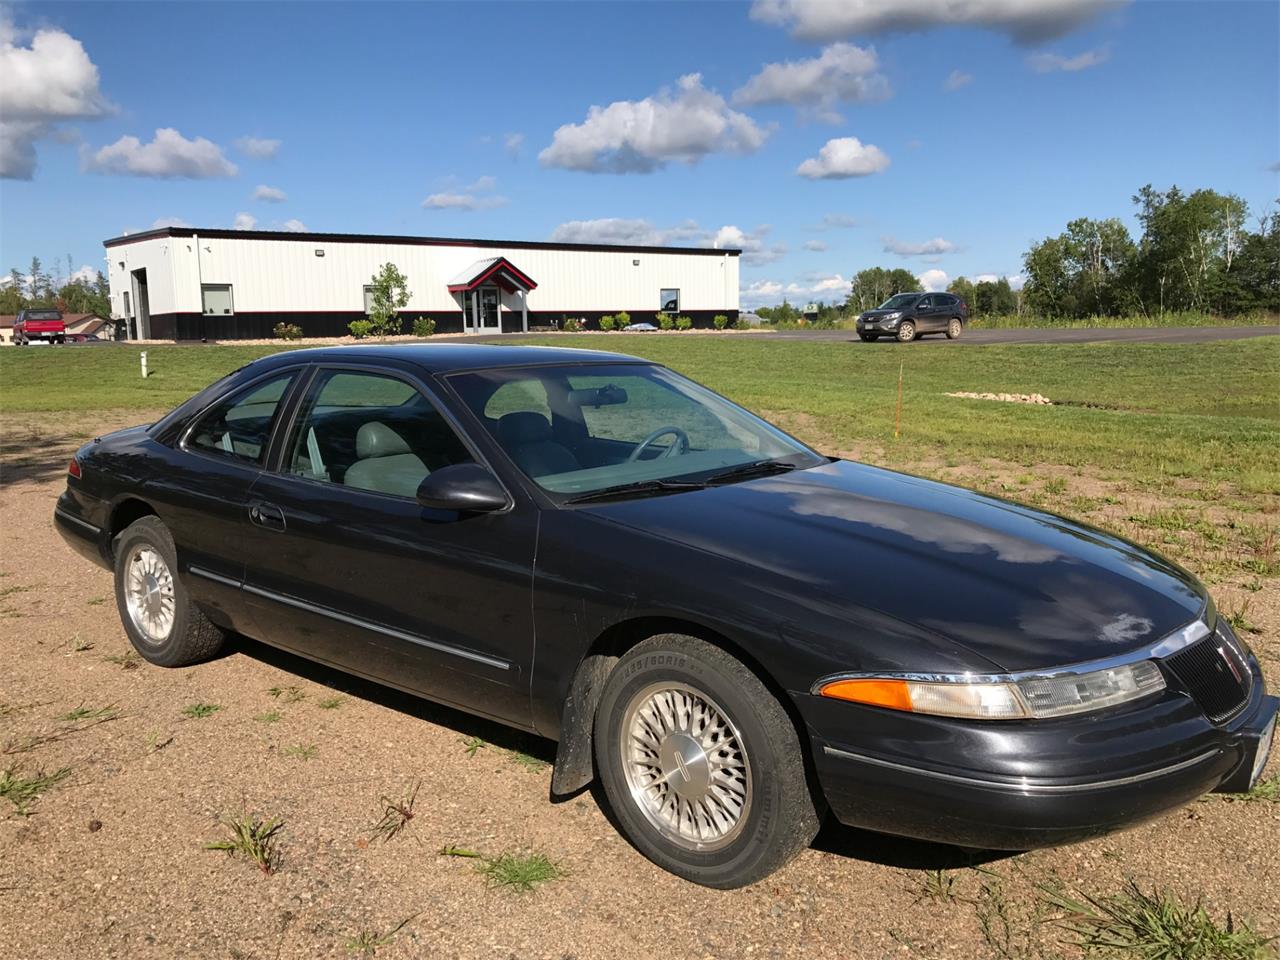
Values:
[(907, 331), (162, 623), (701, 765), (954, 329)]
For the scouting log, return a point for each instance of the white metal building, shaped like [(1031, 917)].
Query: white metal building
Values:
[(182, 283)]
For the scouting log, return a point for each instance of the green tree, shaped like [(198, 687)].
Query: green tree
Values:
[(1098, 254), (874, 285), (80, 296), (962, 287), (39, 286), (1048, 289), (390, 294)]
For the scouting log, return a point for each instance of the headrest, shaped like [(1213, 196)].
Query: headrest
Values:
[(524, 427), (376, 439)]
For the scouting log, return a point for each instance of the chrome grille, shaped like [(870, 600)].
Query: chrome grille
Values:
[(1215, 674)]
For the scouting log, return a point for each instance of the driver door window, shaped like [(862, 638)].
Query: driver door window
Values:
[(371, 432)]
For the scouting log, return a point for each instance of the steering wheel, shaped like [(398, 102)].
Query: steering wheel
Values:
[(678, 446)]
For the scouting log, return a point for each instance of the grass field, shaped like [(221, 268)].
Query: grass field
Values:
[(1209, 412)]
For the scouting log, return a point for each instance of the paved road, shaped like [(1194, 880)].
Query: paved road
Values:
[(1041, 335)]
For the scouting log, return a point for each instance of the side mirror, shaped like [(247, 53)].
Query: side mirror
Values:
[(465, 487)]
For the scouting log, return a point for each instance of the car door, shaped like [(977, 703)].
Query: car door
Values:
[(202, 493), (345, 567), (925, 314)]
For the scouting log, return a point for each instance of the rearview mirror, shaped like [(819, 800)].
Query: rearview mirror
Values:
[(465, 487), (605, 396)]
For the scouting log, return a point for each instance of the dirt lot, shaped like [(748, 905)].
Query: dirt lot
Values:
[(109, 861)]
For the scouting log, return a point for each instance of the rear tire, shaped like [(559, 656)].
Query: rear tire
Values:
[(162, 623), (954, 329), (702, 767), (907, 331)]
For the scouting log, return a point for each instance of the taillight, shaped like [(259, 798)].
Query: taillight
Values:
[(73, 468)]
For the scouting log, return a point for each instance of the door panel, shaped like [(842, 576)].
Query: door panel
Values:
[(342, 569)]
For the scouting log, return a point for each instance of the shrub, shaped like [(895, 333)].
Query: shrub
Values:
[(288, 331), (390, 293), (720, 320), (741, 323), (623, 320), (424, 327), (684, 323), (607, 323), (666, 321), (571, 324), (360, 328)]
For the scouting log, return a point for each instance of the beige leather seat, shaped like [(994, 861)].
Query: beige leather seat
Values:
[(385, 463)]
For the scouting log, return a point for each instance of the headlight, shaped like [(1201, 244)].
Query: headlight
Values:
[(1001, 698)]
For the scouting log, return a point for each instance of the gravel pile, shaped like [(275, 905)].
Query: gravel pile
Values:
[(1006, 397)]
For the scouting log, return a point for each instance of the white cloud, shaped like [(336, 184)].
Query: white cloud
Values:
[(47, 82), (1016, 281), (269, 194), (830, 289), (835, 221), (85, 274), (754, 246), (1026, 21), (841, 73), (933, 279), (258, 148), (928, 248), (761, 293), (640, 136), (161, 222), (513, 143), (170, 155), (985, 278), (294, 226), (957, 79), (1057, 63), (244, 221), (842, 158), (816, 245), (621, 231), (477, 195)]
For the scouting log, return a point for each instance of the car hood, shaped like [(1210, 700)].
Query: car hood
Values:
[(877, 314), (1021, 588)]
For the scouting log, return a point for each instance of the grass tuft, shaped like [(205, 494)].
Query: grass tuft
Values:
[(331, 703), (520, 873), (82, 712), (367, 942), (271, 716), (940, 885), (473, 745), (129, 660), (528, 761), (288, 694), (1154, 926), (23, 791), (252, 837), (198, 711), (396, 815), (302, 751)]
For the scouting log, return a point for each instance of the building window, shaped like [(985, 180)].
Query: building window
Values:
[(216, 298), (368, 299), (670, 300)]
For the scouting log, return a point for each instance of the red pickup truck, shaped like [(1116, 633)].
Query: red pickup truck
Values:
[(39, 326)]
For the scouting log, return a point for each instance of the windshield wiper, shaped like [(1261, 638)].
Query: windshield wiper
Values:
[(639, 488), (746, 471)]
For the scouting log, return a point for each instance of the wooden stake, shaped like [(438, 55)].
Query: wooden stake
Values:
[(897, 420)]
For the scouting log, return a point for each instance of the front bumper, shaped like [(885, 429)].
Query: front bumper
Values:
[(878, 326), (1016, 786)]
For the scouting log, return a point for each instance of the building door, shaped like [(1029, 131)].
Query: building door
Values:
[(490, 317), (143, 302)]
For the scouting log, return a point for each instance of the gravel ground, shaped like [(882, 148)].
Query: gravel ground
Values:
[(109, 862)]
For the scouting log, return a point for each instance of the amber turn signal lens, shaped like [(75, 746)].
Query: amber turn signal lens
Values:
[(894, 694)]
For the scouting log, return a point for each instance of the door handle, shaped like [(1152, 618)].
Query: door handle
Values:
[(266, 515)]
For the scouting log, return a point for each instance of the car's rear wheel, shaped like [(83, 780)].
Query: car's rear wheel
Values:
[(906, 331), (954, 329), (868, 337), (162, 623), (701, 765)]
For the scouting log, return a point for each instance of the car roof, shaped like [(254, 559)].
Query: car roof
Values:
[(448, 357)]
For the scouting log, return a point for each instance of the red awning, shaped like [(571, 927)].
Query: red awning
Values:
[(497, 270)]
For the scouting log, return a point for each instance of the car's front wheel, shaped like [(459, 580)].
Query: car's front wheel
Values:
[(701, 765), (906, 331), (162, 623)]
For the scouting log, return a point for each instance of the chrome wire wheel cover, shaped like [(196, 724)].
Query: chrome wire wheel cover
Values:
[(148, 593), (685, 765)]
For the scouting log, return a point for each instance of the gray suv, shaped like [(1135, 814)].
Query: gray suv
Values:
[(907, 316)]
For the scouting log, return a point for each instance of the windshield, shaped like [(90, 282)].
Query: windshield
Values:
[(584, 428), (899, 300)]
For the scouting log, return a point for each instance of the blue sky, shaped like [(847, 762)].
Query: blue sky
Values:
[(896, 137)]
